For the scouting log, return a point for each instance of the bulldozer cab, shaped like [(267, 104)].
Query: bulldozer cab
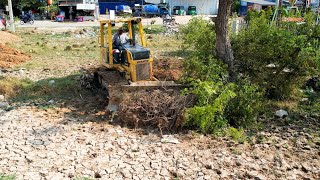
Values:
[(132, 58)]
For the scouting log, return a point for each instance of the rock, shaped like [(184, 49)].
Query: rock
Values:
[(51, 82), (32, 175), (169, 139), (307, 147), (4, 105), (36, 142), (97, 175), (44, 173), (305, 167), (287, 70), (135, 148), (21, 71), (2, 98), (208, 166), (51, 101), (256, 175), (238, 162), (281, 113), (271, 66), (224, 174), (53, 175)]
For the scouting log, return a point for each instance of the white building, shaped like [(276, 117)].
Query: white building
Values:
[(204, 7)]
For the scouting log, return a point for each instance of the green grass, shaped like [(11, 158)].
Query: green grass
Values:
[(312, 106), (7, 177), (154, 29), (48, 50), (237, 134), (29, 65), (22, 90), (82, 178)]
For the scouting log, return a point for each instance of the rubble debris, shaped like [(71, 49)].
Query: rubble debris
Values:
[(169, 139), (158, 108), (281, 113)]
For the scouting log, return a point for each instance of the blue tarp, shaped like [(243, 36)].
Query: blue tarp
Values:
[(261, 2)]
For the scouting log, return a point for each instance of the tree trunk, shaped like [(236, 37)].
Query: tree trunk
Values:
[(279, 12), (223, 46)]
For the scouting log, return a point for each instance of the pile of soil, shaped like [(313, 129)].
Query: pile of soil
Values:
[(167, 69), (10, 56), (7, 37)]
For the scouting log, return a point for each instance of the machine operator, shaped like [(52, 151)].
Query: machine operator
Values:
[(120, 39)]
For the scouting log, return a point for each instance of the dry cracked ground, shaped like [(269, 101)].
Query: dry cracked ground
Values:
[(73, 139), (49, 144)]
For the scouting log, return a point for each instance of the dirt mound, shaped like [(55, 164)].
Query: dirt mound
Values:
[(168, 69), (10, 57), (7, 37)]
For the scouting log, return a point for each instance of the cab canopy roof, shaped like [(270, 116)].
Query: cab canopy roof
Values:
[(123, 20)]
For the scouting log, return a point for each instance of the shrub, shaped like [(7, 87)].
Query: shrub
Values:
[(198, 36), (237, 134), (243, 110), (218, 102), (209, 69), (274, 58), (208, 113)]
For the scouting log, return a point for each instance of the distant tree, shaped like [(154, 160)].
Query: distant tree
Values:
[(31, 4), (23, 4), (236, 6), (223, 45)]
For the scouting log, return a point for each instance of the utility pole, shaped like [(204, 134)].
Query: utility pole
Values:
[(11, 16)]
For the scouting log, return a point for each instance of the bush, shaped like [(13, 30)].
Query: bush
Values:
[(243, 110), (198, 38), (276, 59), (208, 113), (219, 103), (237, 134)]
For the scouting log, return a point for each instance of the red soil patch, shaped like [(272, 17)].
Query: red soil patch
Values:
[(168, 69), (292, 19), (6, 37), (10, 57)]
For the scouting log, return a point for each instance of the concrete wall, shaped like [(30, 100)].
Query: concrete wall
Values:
[(205, 7)]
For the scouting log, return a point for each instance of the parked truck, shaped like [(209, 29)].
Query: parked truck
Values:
[(123, 9), (150, 11)]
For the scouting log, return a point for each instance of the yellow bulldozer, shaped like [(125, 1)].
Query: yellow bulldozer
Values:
[(123, 72)]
